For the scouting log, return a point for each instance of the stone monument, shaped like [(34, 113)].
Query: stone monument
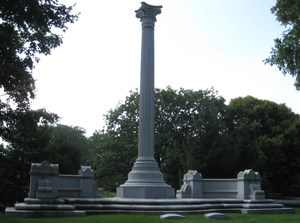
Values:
[(49, 192), (59, 195), (145, 180)]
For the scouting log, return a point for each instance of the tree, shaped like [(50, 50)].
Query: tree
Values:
[(67, 147), (265, 137), (33, 143), (111, 158), (286, 52), (114, 150), (26, 140), (27, 29), (196, 130), (189, 127), (181, 118)]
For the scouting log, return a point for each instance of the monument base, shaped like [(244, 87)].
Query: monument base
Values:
[(145, 192), (145, 181)]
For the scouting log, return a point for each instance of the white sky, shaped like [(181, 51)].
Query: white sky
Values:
[(199, 44)]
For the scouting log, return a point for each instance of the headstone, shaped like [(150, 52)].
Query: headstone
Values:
[(216, 215), (171, 216)]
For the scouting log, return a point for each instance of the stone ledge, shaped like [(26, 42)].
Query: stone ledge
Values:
[(257, 206), (295, 202), (12, 212), (44, 207), (268, 211), (43, 201), (150, 206)]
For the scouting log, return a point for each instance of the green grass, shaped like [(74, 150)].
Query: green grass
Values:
[(129, 218), (108, 194)]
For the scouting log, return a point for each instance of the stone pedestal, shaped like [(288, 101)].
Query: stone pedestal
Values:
[(192, 185), (249, 185), (43, 177), (145, 180)]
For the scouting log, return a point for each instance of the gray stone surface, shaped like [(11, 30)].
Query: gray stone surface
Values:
[(192, 185), (156, 206), (60, 207), (171, 216), (216, 215), (48, 189), (44, 201), (12, 212), (247, 185), (47, 184), (269, 211), (295, 202)]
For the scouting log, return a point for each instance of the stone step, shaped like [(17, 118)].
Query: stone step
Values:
[(163, 207), (12, 212), (150, 206), (46, 207), (186, 201), (283, 210)]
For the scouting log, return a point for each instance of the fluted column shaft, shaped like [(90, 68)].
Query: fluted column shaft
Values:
[(146, 119)]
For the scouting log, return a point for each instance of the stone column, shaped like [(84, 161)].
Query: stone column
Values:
[(146, 121), (145, 180)]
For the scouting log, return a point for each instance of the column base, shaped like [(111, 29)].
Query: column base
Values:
[(145, 181), (145, 192)]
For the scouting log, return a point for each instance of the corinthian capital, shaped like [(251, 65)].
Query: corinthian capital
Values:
[(148, 11)]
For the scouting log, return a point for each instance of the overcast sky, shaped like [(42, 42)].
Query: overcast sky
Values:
[(199, 44)]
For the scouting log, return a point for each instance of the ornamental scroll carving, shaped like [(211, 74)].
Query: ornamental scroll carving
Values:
[(148, 11)]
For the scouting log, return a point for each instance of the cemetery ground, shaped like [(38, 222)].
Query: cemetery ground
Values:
[(136, 218)]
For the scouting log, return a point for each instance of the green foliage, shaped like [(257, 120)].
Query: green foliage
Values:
[(64, 145), (188, 132), (181, 118), (114, 151), (28, 28), (117, 145), (67, 147), (196, 130), (26, 140), (286, 52), (264, 136), (111, 159)]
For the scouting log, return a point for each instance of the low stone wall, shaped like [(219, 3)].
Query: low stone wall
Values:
[(57, 195), (47, 183), (219, 188), (247, 185), (69, 186)]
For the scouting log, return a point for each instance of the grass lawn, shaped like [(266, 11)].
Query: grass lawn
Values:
[(129, 218)]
